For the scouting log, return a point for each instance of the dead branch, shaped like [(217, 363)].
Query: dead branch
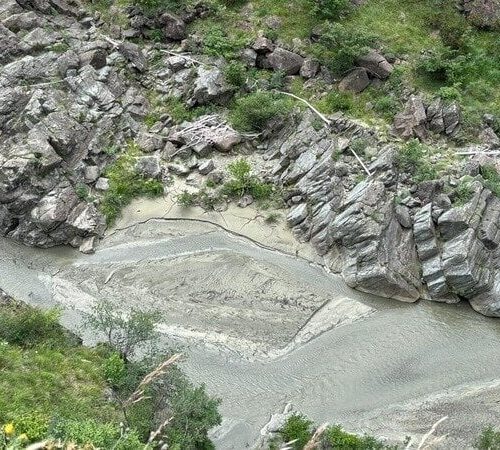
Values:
[(429, 433), (315, 440)]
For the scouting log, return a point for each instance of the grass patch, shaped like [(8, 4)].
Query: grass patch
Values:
[(491, 178), (125, 184), (242, 182)]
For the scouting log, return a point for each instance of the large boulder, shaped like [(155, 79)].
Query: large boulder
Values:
[(375, 64), (173, 27), (284, 60), (211, 87), (412, 121), (483, 13), (355, 81)]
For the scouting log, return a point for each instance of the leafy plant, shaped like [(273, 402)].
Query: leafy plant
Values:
[(331, 9), (413, 158), (254, 111), (491, 178), (489, 439), (235, 74), (124, 333), (299, 429), (337, 438), (242, 182), (125, 184)]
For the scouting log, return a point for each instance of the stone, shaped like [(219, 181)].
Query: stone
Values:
[(211, 87), (102, 184), (91, 174), (89, 245), (215, 177), (483, 13), (149, 142), (179, 169), (451, 119), (176, 63), (206, 167), (133, 53), (249, 57), (95, 58), (403, 216), (245, 201), (280, 59), (310, 68), (173, 27), (148, 166), (355, 81), (412, 121), (375, 64), (263, 45), (297, 215)]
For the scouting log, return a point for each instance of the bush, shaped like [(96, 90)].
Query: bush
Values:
[(462, 193), (489, 439), (28, 327), (340, 45), (297, 427), (243, 182), (491, 179), (254, 111), (124, 334), (339, 439), (33, 424), (235, 74), (216, 42), (99, 435), (125, 184), (436, 64), (413, 158), (331, 9), (337, 101)]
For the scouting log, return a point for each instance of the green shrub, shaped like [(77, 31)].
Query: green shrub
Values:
[(340, 45), (242, 182), (28, 327), (488, 440), (82, 191), (235, 74), (413, 158), (277, 79), (298, 428), (462, 193), (387, 106), (491, 178), (125, 184), (115, 370), (337, 101), (216, 42), (100, 435), (331, 9), (254, 111), (33, 424), (186, 199), (436, 63), (339, 439)]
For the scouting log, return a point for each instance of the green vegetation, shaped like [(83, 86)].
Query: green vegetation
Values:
[(125, 184), (254, 111), (491, 179), (53, 388), (242, 182), (413, 158), (298, 430), (489, 439), (462, 193)]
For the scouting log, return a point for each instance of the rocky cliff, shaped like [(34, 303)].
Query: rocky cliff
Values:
[(70, 96)]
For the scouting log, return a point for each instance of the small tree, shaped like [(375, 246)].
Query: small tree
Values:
[(124, 333)]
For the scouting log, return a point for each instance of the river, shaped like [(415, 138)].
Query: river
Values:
[(262, 328)]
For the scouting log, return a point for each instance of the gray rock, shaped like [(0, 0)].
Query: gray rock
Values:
[(403, 216), (211, 87), (206, 167), (412, 121), (133, 53), (249, 57), (89, 245), (173, 27), (284, 60), (355, 81), (310, 68), (297, 215), (263, 45), (375, 64), (483, 13), (102, 184), (179, 169), (95, 58), (451, 119), (148, 166), (245, 201), (91, 173)]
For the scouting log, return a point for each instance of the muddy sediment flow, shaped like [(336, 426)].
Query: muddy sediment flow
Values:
[(263, 323)]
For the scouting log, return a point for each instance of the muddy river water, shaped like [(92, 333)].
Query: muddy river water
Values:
[(263, 328)]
